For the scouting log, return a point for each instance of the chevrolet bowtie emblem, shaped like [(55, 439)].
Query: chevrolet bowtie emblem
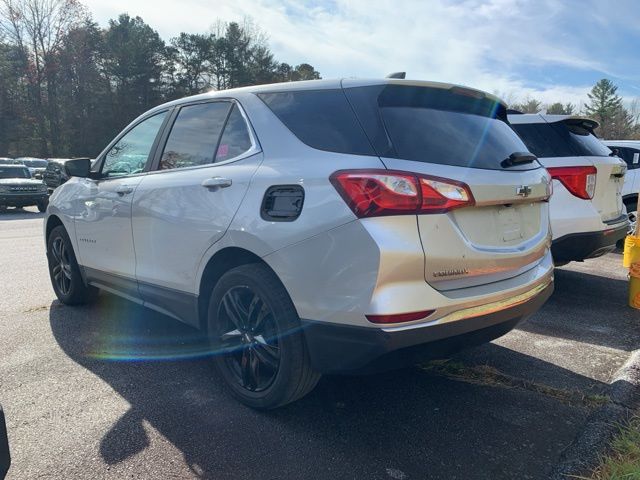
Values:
[(523, 191)]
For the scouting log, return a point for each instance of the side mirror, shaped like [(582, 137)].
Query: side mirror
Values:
[(78, 167)]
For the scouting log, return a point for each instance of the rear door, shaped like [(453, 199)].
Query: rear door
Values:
[(462, 135), (203, 170)]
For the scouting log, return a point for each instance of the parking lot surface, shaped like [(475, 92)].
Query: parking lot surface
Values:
[(118, 391)]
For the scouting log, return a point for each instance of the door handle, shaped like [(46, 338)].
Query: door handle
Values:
[(124, 189), (216, 182)]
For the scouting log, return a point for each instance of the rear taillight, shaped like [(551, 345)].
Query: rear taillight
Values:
[(377, 192), (580, 181)]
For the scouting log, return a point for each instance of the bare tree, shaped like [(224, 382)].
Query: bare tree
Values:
[(38, 28)]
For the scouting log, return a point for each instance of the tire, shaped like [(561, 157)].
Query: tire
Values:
[(632, 211), (64, 271), (254, 331), (42, 206)]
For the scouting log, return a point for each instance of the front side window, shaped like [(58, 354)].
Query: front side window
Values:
[(131, 153), (194, 135)]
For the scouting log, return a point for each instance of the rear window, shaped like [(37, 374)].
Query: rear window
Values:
[(322, 119), (561, 139), (453, 126)]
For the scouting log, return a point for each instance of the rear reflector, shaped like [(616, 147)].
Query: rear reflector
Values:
[(580, 181), (400, 317), (378, 192)]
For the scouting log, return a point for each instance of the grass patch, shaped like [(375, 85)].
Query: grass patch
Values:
[(623, 463), (487, 375)]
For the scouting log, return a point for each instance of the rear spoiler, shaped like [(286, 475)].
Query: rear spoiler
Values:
[(584, 122)]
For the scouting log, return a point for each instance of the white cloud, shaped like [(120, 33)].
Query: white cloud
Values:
[(485, 44)]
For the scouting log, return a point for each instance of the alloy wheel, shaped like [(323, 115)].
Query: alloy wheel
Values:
[(61, 268), (633, 217), (248, 338)]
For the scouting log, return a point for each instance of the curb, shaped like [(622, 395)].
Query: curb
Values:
[(583, 454)]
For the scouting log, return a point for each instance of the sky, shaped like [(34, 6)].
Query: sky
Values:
[(552, 50)]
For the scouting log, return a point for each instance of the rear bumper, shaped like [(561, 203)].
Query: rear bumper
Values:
[(580, 246), (336, 348), (23, 200)]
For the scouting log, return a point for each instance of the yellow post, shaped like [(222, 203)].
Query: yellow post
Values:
[(631, 260)]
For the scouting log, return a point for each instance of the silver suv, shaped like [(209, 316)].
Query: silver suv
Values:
[(313, 227)]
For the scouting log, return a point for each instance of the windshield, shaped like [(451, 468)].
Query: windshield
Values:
[(13, 172), (561, 139), (35, 163)]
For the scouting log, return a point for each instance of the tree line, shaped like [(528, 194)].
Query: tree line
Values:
[(617, 122), (68, 86)]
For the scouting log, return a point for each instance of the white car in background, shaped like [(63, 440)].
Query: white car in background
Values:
[(587, 213), (629, 151)]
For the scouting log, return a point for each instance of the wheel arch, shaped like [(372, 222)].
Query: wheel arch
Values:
[(220, 263), (52, 222)]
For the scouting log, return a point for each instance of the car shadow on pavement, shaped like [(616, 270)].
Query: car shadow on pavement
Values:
[(589, 309), (20, 214), (403, 424)]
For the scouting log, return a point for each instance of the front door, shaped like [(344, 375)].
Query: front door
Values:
[(103, 223)]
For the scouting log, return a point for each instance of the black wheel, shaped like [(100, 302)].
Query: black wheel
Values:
[(632, 212), (65, 274), (42, 206), (254, 330)]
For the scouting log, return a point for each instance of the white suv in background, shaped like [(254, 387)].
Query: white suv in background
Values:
[(310, 227), (587, 213), (629, 151)]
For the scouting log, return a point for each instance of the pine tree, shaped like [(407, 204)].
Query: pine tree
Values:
[(605, 106)]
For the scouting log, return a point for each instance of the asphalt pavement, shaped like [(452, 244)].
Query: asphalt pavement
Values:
[(118, 391)]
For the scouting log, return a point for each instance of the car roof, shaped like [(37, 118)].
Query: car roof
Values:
[(13, 166), (324, 84)]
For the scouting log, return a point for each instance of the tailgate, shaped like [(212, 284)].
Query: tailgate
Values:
[(503, 235)]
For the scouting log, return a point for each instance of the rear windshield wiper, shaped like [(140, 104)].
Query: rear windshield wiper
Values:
[(518, 158)]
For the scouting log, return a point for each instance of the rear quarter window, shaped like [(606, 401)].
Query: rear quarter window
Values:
[(322, 119)]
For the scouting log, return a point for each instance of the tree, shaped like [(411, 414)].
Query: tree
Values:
[(86, 110), (560, 109), (530, 105), (605, 106), (190, 54), (68, 86), (37, 28), (134, 62)]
